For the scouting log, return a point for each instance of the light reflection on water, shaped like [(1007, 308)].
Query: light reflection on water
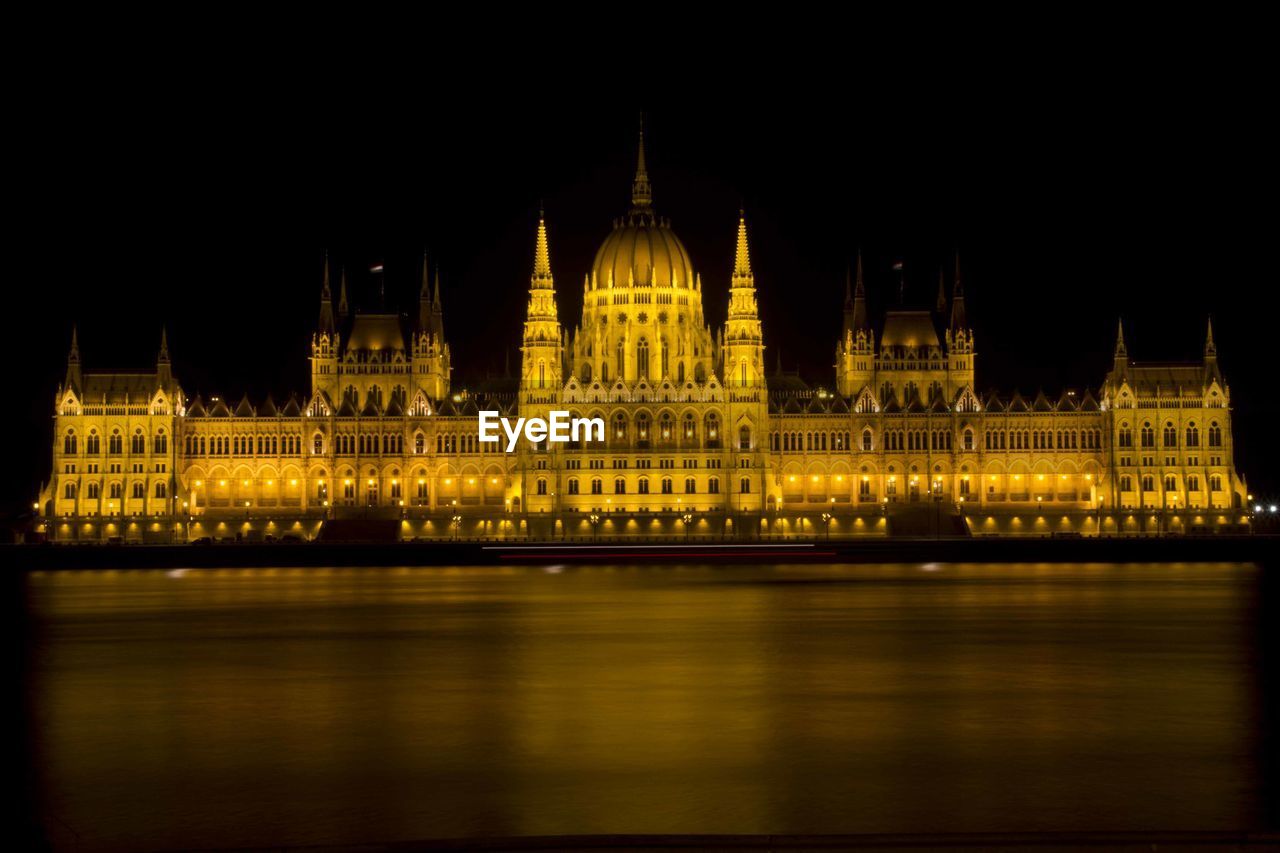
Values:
[(244, 707)]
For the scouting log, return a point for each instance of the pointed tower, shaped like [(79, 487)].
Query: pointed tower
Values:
[(324, 341), (326, 325), (743, 348), (344, 310), (432, 364), (541, 359), (1210, 356), (164, 369), (1120, 361), (75, 378), (641, 189), (855, 352), (959, 340)]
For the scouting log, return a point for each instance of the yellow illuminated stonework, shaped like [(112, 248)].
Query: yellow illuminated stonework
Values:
[(700, 440)]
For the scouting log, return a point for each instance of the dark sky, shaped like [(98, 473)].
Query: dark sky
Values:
[(208, 208)]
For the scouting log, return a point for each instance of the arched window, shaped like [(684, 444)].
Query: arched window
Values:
[(690, 429), (744, 437), (1215, 435), (94, 490), (69, 443), (666, 485), (643, 486), (1193, 435), (1170, 435), (138, 444), (115, 491), (713, 430), (690, 486), (619, 428), (419, 443), (92, 445), (968, 439), (619, 486), (1148, 435), (744, 485), (139, 489), (665, 364), (597, 486), (642, 359), (867, 440), (162, 490), (161, 443), (1126, 436), (542, 486), (1170, 483), (713, 485), (69, 491), (115, 444)]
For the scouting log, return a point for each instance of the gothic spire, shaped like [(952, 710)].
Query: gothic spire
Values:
[(542, 257), (1121, 350), (959, 320), (856, 308), (742, 257), (435, 299), (343, 308), (73, 379), (163, 356), (326, 301), (641, 191), (1210, 349), (424, 296)]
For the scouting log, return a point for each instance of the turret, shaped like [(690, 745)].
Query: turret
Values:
[(344, 309), (541, 358), (1120, 360), (855, 351), (75, 379), (431, 358), (164, 370), (1210, 356), (959, 339), (743, 347), (326, 325)]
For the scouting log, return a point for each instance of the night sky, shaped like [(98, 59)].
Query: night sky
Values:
[(1070, 207)]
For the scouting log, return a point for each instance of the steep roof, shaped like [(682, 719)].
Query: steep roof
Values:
[(909, 329)]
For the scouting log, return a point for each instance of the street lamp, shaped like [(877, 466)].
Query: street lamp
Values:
[(457, 525), (687, 518), (826, 519), (595, 525)]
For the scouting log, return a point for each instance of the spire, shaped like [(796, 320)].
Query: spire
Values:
[(542, 255), (435, 299), (343, 309), (959, 320), (164, 371), (73, 379), (163, 357), (1121, 351), (424, 296), (855, 308), (742, 258), (1210, 349), (942, 292), (326, 301), (641, 191)]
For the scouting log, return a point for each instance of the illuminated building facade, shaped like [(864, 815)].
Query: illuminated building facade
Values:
[(700, 439)]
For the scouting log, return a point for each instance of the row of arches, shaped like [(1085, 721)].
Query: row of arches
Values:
[(1168, 435), (138, 442)]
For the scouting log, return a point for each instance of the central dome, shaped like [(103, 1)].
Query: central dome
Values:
[(642, 250)]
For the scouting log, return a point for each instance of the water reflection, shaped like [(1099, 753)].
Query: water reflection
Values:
[(294, 706)]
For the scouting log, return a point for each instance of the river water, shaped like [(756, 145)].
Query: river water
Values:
[(276, 707)]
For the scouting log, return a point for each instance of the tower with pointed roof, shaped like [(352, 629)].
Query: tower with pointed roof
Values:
[(432, 367), (743, 347), (540, 352), (958, 337), (325, 339), (855, 352)]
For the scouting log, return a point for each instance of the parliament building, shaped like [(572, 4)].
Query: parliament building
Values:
[(701, 440)]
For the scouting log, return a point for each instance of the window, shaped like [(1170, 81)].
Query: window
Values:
[(1170, 435), (744, 486), (713, 486), (1215, 483), (116, 491), (1215, 435), (349, 490), (690, 486), (1170, 483), (1193, 483), (1148, 435), (1148, 483), (666, 485), (964, 487), (139, 489), (642, 359), (597, 486), (69, 443), (161, 443), (573, 486), (69, 491), (643, 486), (1126, 483), (744, 438), (968, 439), (864, 488), (1193, 435), (419, 443), (542, 486), (115, 444), (94, 490), (619, 486), (866, 440), (1125, 438), (395, 489), (162, 490), (92, 445)]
